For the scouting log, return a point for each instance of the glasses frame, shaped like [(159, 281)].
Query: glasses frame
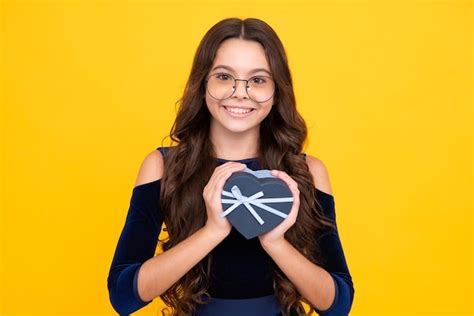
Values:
[(235, 85)]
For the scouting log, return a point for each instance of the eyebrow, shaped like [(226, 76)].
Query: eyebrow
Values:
[(250, 72)]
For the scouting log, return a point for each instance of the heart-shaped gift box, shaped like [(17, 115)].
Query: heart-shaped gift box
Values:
[(254, 202)]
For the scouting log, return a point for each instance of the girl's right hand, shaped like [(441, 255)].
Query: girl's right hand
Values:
[(212, 197)]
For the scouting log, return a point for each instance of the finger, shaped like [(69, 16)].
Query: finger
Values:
[(285, 177), (221, 175), (293, 186), (228, 167), (218, 171), (225, 174), (220, 182)]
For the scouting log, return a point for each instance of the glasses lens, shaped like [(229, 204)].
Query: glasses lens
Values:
[(221, 86), (260, 88)]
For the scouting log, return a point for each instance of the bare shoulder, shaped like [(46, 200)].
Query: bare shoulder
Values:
[(320, 174), (151, 168)]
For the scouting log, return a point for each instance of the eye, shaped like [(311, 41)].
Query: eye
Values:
[(258, 80), (223, 76)]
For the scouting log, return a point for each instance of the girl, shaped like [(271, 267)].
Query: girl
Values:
[(238, 110)]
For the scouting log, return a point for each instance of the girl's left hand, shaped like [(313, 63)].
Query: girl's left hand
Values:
[(277, 234)]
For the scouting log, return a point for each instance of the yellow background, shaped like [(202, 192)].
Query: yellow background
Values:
[(89, 88)]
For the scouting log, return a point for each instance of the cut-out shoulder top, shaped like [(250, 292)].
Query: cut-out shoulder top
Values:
[(241, 268)]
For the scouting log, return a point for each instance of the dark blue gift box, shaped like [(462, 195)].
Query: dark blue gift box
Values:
[(255, 202)]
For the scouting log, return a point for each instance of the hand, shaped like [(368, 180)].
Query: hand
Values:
[(277, 234), (212, 197)]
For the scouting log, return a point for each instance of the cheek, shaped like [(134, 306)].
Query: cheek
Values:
[(267, 107), (211, 104)]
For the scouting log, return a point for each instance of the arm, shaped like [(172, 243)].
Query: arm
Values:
[(136, 276), (331, 248), (329, 288), (136, 244), (160, 272), (312, 281)]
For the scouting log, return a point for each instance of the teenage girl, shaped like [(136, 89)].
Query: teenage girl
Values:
[(238, 110)]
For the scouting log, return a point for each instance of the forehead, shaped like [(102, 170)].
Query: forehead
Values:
[(242, 57)]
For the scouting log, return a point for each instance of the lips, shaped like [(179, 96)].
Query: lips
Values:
[(239, 112), (238, 107)]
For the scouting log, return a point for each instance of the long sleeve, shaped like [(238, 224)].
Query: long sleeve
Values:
[(137, 243), (335, 263)]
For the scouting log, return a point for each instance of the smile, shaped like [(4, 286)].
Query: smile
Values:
[(238, 112)]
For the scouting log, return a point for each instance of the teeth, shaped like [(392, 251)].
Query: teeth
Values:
[(238, 110)]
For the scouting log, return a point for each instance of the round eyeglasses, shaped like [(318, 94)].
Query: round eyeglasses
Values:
[(222, 86)]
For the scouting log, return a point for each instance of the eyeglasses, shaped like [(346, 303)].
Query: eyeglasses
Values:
[(222, 86)]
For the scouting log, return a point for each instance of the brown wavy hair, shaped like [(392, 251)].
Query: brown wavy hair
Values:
[(189, 165)]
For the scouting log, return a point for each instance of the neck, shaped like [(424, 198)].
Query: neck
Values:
[(234, 146)]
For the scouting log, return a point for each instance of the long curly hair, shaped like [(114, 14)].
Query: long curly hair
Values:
[(190, 164)]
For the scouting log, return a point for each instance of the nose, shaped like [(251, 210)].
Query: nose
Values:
[(240, 92)]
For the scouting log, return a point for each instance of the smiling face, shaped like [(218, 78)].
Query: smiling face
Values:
[(241, 59)]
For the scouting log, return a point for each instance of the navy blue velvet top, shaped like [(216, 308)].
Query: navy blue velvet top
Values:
[(241, 267)]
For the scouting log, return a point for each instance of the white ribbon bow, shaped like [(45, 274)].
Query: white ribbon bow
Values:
[(254, 199)]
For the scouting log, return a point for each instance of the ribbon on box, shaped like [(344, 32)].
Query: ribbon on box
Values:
[(252, 200)]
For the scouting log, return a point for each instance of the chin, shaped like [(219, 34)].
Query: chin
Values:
[(237, 128)]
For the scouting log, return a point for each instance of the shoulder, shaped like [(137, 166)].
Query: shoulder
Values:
[(320, 174), (151, 168)]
